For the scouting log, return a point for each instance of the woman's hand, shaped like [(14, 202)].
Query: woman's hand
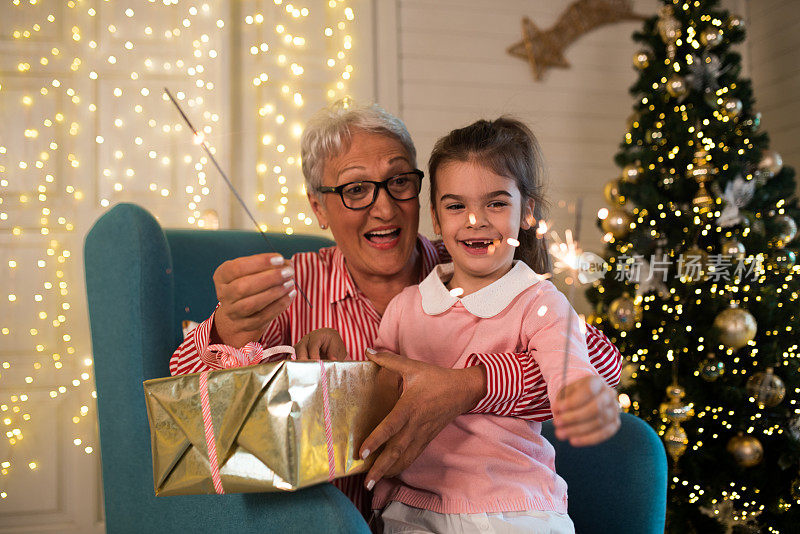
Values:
[(431, 398), (321, 344), (252, 291), (586, 412)]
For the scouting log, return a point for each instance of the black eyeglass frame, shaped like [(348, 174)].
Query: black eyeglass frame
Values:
[(339, 189)]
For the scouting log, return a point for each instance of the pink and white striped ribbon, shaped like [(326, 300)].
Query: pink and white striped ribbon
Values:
[(211, 443), (326, 413), (208, 423), (227, 357)]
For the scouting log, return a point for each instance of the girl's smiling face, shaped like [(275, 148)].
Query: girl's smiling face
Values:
[(476, 211)]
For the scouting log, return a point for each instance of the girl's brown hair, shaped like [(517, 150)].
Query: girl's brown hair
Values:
[(508, 148)]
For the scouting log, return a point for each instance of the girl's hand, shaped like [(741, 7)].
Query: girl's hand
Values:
[(321, 344), (431, 398), (586, 412)]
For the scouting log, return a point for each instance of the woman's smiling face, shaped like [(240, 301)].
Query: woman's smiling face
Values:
[(476, 211), (378, 240)]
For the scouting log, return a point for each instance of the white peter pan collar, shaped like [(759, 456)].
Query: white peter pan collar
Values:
[(486, 302)]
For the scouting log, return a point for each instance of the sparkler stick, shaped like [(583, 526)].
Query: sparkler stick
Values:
[(199, 139), (574, 268)]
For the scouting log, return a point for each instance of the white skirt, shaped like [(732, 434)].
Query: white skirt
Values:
[(399, 518)]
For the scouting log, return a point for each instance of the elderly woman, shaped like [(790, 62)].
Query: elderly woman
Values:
[(360, 169)]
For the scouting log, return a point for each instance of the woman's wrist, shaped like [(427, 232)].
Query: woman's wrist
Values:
[(474, 386)]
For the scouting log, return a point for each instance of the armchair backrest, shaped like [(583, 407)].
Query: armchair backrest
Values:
[(618, 486), (141, 282)]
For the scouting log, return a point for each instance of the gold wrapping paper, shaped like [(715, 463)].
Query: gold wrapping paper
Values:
[(268, 425)]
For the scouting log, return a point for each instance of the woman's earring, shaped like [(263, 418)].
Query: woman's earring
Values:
[(323, 226)]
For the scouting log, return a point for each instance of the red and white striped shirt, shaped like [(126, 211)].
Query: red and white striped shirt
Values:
[(338, 304)]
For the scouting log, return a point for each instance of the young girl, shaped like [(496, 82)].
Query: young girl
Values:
[(485, 472)]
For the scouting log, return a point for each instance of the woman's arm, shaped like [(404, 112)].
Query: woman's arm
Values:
[(500, 384), (254, 294), (186, 358)]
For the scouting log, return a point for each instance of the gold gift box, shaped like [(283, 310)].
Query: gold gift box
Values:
[(268, 422)]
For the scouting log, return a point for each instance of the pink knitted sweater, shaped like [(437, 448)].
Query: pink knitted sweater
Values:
[(485, 463)]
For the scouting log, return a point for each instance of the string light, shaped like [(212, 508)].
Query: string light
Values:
[(53, 301), (280, 65)]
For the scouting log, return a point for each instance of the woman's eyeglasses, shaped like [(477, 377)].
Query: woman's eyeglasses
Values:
[(362, 194)]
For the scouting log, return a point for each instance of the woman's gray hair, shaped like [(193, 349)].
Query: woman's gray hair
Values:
[(328, 133)]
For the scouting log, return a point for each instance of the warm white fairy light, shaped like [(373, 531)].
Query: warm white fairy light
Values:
[(52, 303), (277, 75)]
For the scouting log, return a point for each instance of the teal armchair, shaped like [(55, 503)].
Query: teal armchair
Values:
[(141, 283), (618, 486)]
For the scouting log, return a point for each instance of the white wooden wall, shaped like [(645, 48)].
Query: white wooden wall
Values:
[(444, 64), (773, 44), (438, 64), (119, 121)]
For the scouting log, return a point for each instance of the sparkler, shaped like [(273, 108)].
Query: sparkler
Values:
[(569, 259), (199, 139)]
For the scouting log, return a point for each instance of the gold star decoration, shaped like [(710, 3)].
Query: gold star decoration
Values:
[(545, 49)]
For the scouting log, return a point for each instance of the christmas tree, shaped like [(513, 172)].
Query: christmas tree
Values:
[(701, 287)]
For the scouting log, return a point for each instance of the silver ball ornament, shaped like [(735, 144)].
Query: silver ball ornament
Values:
[(624, 313), (766, 388), (771, 163), (785, 233), (736, 21), (711, 368), (731, 106)]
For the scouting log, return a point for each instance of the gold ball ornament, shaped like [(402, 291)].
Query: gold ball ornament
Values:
[(675, 441), (624, 313), (771, 163), (677, 87), (612, 194), (632, 172), (711, 368), (766, 388), (733, 248), (731, 106), (746, 450), (617, 223), (641, 59), (711, 36), (735, 327)]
